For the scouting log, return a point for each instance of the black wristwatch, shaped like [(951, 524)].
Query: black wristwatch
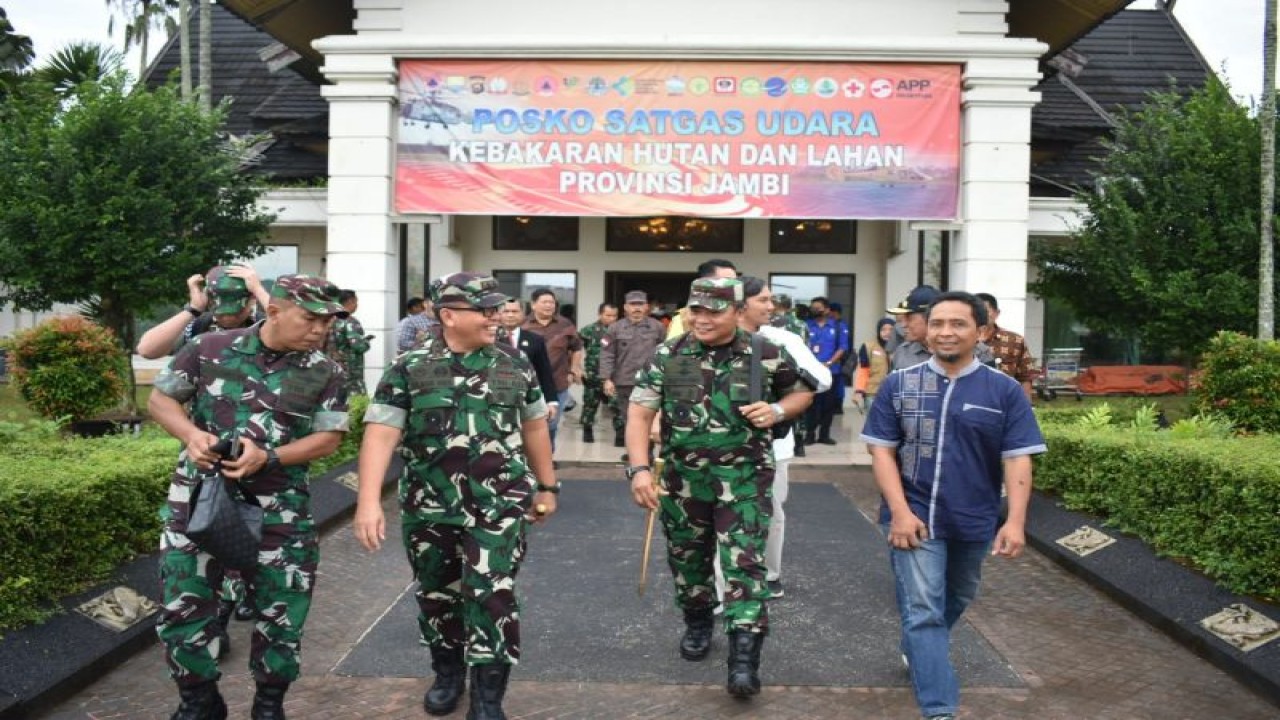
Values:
[(273, 461), (195, 311), (633, 470), (553, 489)]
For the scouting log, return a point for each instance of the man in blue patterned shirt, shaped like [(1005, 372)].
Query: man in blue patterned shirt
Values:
[(944, 435)]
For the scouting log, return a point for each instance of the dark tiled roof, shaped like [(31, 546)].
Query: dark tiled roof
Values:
[(1131, 55), (282, 103)]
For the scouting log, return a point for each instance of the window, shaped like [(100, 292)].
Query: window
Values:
[(521, 284), (276, 261), (837, 289), (522, 232), (674, 234), (935, 258), (813, 236)]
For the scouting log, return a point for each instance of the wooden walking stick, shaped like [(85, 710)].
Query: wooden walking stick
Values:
[(648, 532)]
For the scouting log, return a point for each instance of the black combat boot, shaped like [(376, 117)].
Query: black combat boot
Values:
[(268, 702), (225, 610), (200, 702), (619, 439), (698, 626), (488, 685), (451, 679), (588, 434), (799, 451), (245, 611), (744, 663)]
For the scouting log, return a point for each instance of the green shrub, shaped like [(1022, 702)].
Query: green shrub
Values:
[(1240, 379), (68, 368), (71, 511), (1194, 495), (350, 446)]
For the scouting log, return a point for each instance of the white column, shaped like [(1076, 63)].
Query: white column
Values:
[(990, 251), (363, 251)]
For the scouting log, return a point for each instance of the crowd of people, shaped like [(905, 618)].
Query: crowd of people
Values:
[(724, 392)]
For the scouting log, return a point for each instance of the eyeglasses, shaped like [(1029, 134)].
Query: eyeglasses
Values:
[(487, 312)]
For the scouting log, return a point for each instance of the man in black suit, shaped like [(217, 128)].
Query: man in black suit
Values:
[(533, 347)]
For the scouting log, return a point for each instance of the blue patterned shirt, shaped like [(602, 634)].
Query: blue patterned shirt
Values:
[(952, 436)]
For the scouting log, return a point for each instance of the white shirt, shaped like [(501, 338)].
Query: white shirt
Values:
[(806, 362)]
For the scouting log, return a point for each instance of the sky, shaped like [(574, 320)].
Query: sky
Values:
[(1228, 32)]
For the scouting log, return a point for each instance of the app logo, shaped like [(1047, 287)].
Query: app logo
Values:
[(751, 86), (624, 86), (775, 86), (699, 85), (433, 83), (881, 88), (520, 87), (597, 86), (455, 84), (854, 88), (675, 85), (477, 84), (800, 86), (547, 86), (726, 85), (570, 82), (498, 86), (826, 87)]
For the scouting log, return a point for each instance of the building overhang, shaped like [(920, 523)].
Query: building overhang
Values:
[(298, 23)]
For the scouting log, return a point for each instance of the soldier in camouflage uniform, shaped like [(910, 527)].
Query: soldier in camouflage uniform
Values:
[(477, 468), (717, 444), (592, 383), (347, 344), (270, 387), (786, 318)]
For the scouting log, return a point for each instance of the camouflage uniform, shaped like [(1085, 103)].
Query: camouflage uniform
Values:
[(719, 468), (346, 345), (788, 321), (592, 383), (238, 387), (466, 486)]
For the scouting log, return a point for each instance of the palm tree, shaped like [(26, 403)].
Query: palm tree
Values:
[(1266, 269), (78, 63), (206, 54), (141, 16), (16, 54)]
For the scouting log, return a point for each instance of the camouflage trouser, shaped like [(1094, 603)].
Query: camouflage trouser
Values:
[(592, 395), (279, 589), (714, 507), (466, 585), (621, 404), (232, 589)]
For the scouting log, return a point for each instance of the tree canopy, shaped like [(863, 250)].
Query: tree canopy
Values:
[(114, 197), (1168, 251)]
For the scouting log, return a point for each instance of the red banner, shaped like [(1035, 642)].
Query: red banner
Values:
[(712, 139)]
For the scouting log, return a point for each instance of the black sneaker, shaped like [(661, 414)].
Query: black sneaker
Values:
[(775, 589)]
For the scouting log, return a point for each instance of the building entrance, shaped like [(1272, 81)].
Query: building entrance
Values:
[(667, 290)]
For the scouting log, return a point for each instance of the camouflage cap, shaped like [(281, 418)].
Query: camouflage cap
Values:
[(782, 300), (636, 296), (227, 294), (715, 294), (311, 293), (466, 289)]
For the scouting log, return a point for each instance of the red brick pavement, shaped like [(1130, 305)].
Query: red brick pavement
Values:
[(1080, 655)]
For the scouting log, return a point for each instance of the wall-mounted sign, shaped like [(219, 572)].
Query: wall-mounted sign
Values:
[(746, 139)]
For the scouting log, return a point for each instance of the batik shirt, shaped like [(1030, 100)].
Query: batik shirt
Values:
[(951, 437)]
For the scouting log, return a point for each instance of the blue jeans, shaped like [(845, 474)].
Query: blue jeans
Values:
[(563, 397), (935, 583)]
